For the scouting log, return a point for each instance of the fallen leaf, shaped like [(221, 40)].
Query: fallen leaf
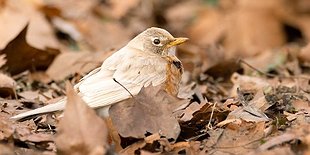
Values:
[(5, 149), (283, 150), (2, 60), (190, 110), (73, 9), (7, 86), (247, 84), (16, 15), (69, 63), (277, 140), (149, 111), (236, 138), (208, 27), (114, 35), (304, 54), (81, 131), (117, 8), (301, 105), (21, 56)]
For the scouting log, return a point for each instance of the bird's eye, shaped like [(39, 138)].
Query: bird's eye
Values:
[(156, 41)]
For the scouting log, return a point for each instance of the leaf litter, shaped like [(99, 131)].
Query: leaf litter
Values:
[(245, 89)]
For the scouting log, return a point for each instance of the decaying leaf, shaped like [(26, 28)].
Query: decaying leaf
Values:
[(148, 112), (81, 131)]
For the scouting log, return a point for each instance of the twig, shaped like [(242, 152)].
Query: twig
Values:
[(255, 69), (123, 87), (271, 75), (209, 126)]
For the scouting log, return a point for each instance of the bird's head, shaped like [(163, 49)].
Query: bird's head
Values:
[(156, 40)]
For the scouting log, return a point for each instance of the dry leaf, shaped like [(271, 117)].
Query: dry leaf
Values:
[(208, 28), (7, 86), (236, 138), (75, 62), (6, 150), (190, 110), (117, 8), (81, 131), (16, 14), (103, 35), (304, 54), (149, 111), (21, 56), (73, 9), (277, 140)]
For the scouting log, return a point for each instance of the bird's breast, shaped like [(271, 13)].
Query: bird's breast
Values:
[(174, 73)]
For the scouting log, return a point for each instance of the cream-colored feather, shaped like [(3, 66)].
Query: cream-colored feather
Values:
[(131, 67), (138, 64)]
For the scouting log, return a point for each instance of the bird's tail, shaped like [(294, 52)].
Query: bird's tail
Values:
[(60, 105)]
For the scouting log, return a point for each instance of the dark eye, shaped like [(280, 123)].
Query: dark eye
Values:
[(156, 41)]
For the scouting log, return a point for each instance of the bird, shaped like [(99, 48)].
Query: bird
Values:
[(147, 60)]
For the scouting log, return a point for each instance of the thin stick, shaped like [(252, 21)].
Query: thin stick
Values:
[(123, 87), (209, 126), (257, 70), (271, 75)]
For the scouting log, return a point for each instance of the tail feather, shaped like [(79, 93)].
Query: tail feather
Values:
[(60, 105)]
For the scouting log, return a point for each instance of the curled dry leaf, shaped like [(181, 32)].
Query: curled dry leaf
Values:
[(21, 56), (149, 111), (81, 131)]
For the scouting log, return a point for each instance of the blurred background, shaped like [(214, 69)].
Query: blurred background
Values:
[(65, 37), (237, 49)]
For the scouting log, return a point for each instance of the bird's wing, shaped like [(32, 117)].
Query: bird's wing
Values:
[(131, 69)]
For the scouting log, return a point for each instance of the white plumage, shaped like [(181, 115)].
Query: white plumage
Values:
[(138, 64), (132, 68)]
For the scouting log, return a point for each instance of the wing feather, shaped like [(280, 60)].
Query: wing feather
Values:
[(130, 67), (139, 70)]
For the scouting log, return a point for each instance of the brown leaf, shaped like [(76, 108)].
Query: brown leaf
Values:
[(81, 131), (16, 14), (190, 110), (271, 58), (21, 56), (149, 111), (117, 9), (248, 34), (7, 86), (277, 140), (301, 105), (283, 150), (304, 54), (236, 138), (114, 35), (6, 150), (2, 60), (75, 62), (73, 9)]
